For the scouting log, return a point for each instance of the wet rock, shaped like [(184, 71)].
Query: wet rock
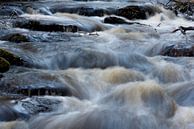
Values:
[(7, 113), (4, 65), (82, 10), (10, 11), (184, 7), (136, 12), (16, 37), (44, 89), (11, 58), (85, 58), (48, 27), (35, 105), (24, 37), (92, 12), (30, 83), (178, 50), (114, 20)]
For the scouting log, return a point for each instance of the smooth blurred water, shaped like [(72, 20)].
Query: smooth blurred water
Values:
[(115, 75)]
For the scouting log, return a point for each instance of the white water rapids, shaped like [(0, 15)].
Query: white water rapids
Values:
[(115, 73)]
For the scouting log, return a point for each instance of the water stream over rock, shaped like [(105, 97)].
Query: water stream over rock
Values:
[(77, 64)]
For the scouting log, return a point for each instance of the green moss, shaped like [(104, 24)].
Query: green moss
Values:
[(11, 58), (4, 65)]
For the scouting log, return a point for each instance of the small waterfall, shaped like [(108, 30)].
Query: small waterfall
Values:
[(104, 64)]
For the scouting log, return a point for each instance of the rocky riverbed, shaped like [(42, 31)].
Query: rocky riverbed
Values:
[(77, 64)]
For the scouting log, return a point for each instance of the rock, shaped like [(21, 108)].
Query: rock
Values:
[(136, 12), (178, 50), (24, 83), (48, 27), (35, 105), (4, 65), (42, 89), (92, 12), (10, 11), (186, 7), (114, 20), (7, 113), (16, 37), (84, 58), (11, 58), (82, 10)]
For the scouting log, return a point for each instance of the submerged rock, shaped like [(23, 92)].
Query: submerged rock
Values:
[(4, 65)]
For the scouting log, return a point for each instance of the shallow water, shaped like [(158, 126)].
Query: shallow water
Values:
[(101, 76)]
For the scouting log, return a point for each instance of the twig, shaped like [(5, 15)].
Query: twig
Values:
[(183, 29)]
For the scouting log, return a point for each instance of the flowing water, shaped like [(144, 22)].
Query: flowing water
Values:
[(95, 75)]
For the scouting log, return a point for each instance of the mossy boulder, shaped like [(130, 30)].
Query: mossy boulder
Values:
[(11, 58), (4, 65)]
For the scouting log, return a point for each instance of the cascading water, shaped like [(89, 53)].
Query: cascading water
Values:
[(72, 64)]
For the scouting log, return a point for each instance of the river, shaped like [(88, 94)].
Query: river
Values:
[(114, 64)]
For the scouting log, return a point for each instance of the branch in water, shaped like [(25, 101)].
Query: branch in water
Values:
[(183, 29)]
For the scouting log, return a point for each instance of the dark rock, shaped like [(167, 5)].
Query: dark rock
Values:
[(178, 50), (114, 20), (16, 37), (29, 83), (91, 12), (83, 10), (184, 7), (42, 89), (11, 58), (4, 65), (136, 12), (49, 27)]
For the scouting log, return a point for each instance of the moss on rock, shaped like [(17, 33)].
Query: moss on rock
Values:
[(11, 58), (4, 65)]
